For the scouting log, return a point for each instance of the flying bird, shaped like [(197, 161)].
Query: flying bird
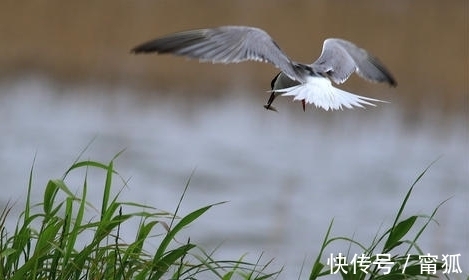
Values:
[(310, 83)]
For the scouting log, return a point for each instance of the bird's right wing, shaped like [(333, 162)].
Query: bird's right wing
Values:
[(225, 44), (340, 59)]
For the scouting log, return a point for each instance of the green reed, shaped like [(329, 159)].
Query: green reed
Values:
[(46, 241), (397, 242), (66, 237)]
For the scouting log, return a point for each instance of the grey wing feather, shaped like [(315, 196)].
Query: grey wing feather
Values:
[(225, 44), (340, 59)]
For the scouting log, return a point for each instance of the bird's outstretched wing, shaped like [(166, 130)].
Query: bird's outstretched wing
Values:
[(340, 59), (225, 44)]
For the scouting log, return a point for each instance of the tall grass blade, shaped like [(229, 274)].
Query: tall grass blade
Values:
[(107, 189), (169, 259), (318, 266), (398, 232), (419, 233), (389, 242), (184, 222)]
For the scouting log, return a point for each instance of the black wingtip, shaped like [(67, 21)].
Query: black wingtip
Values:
[(386, 77), (148, 47), (140, 49), (391, 81), (389, 78), (136, 50)]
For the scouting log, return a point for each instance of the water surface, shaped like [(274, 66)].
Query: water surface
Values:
[(285, 175)]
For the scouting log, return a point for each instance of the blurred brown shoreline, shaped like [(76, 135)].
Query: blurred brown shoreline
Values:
[(424, 43)]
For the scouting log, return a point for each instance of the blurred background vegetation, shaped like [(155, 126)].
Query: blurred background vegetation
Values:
[(423, 43)]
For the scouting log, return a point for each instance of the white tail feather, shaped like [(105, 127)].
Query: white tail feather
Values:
[(320, 92)]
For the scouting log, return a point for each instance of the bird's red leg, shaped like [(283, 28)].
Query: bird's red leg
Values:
[(304, 105)]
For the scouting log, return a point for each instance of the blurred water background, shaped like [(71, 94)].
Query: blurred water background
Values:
[(66, 78)]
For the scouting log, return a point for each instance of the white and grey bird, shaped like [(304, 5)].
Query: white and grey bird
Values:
[(310, 83)]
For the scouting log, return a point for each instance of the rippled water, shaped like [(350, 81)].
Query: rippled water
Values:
[(285, 175)]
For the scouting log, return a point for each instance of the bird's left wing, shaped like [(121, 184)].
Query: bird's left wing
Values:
[(225, 44)]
